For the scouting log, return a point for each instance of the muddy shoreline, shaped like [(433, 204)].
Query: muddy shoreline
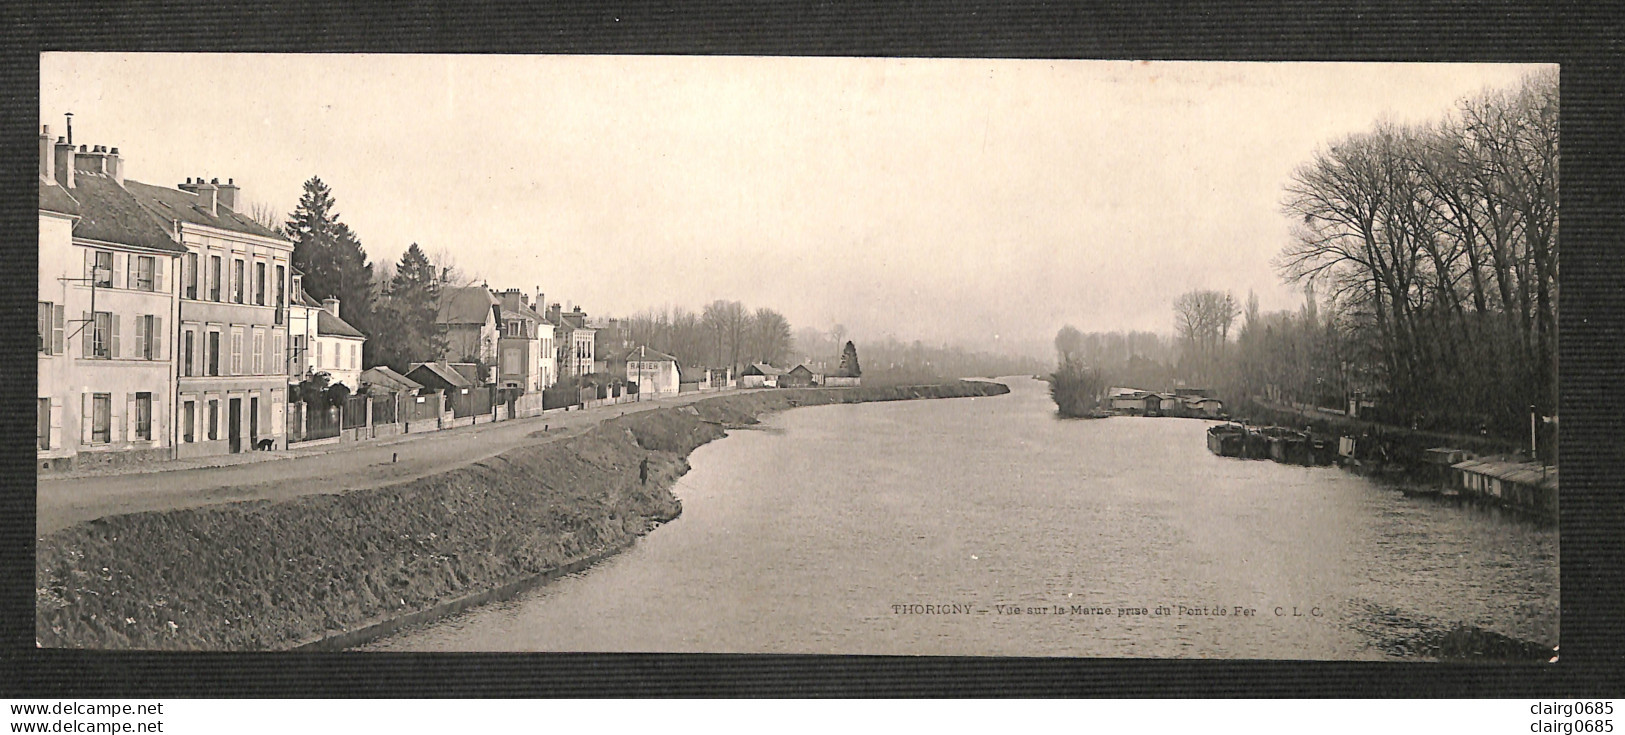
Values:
[(321, 571)]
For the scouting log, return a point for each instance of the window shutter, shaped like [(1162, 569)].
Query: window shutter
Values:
[(139, 350), (90, 265), (86, 417), (87, 335), (56, 424), (128, 273), (58, 317), (128, 421), (113, 349), (159, 339), (159, 266)]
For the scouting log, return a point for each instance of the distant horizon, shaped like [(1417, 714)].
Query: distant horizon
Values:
[(971, 202)]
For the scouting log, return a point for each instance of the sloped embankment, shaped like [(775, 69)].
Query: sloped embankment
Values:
[(269, 575)]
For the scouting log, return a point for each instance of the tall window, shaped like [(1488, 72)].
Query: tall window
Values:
[(236, 352), (42, 431), (214, 420), (143, 416), (237, 281), (278, 358), (214, 353), (281, 303), (146, 336), (191, 275), (319, 362), (186, 354), (141, 273), (101, 418), (46, 315), (100, 339), (214, 278), (259, 353), (355, 361), (102, 271), (188, 422), (259, 284)]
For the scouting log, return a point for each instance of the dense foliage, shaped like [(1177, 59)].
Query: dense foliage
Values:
[(331, 258), (1077, 389)]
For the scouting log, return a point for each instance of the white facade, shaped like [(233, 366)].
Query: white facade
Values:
[(106, 321), (655, 377), (233, 341)]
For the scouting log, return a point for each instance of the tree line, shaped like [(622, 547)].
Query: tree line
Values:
[(1437, 246), (722, 334), (1427, 256)]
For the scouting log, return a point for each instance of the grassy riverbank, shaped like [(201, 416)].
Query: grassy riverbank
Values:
[(271, 575)]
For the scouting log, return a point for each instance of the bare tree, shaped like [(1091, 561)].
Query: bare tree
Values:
[(1068, 344)]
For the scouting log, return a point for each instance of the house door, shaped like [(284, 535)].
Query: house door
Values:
[(254, 421), (234, 424)]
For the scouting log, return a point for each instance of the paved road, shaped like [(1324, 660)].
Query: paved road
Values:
[(334, 468)]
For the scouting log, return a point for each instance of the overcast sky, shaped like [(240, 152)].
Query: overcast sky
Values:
[(943, 200)]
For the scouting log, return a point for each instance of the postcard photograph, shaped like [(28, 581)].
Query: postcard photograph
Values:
[(724, 354)]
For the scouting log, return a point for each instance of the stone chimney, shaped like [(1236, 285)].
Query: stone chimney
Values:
[(553, 313), (331, 305), (47, 155), (228, 193), (206, 199), (189, 186), (64, 163), (115, 166), (90, 159)]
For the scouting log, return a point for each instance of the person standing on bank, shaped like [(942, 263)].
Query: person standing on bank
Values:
[(643, 471)]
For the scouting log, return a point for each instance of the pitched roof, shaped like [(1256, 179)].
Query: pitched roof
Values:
[(763, 368), (53, 198), (328, 325), (1524, 473), (168, 204), (381, 375), (574, 321), (465, 305), (525, 314), (803, 369), (469, 371), (445, 373), (644, 354), (111, 213)]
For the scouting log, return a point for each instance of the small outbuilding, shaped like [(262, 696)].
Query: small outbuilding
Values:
[(760, 375), (799, 376)]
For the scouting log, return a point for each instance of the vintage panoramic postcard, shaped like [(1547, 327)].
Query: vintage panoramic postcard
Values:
[(798, 355)]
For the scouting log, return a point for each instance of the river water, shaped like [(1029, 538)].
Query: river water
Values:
[(921, 527)]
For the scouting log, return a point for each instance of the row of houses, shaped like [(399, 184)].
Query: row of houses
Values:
[(173, 325), (1192, 402), (763, 375), (169, 322)]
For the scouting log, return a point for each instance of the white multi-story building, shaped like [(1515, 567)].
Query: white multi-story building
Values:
[(107, 313), (322, 342)]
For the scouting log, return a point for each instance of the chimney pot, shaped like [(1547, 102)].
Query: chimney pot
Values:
[(83, 148), (214, 181), (206, 199), (114, 151), (47, 155), (64, 165)]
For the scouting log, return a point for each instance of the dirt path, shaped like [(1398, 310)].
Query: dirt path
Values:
[(62, 502)]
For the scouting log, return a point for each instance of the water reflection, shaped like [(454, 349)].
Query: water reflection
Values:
[(868, 529)]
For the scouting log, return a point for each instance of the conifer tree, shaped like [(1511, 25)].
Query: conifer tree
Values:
[(332, 259), (849, 361), (407, 316)]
